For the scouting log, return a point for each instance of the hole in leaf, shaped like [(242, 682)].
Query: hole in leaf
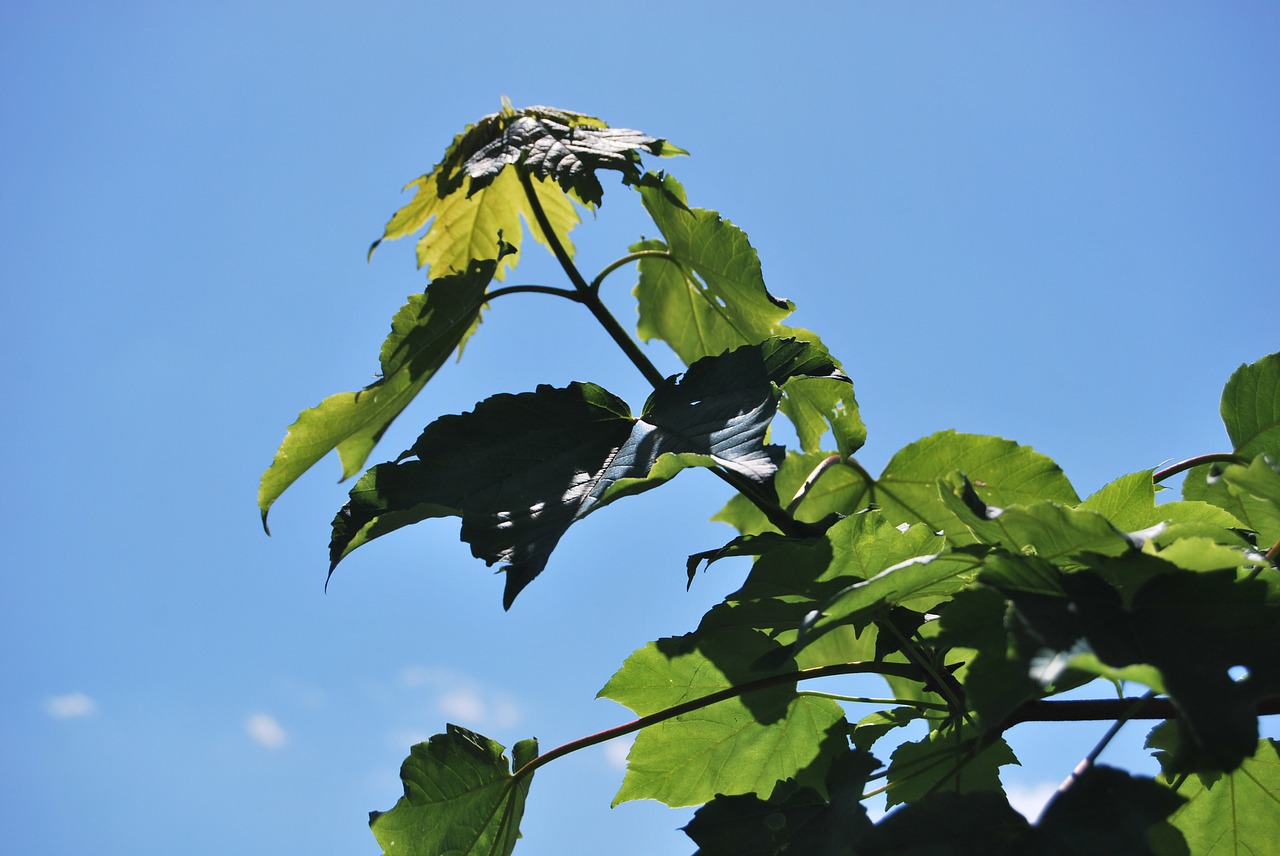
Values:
[(1238, 673)]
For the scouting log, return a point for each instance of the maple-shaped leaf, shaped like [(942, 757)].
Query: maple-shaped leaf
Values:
[(470, 196), (460, 798), (520, 469)]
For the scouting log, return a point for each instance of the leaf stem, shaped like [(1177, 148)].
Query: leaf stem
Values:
[(589, 298), (533, 289), (902, 702), (826, 464), (860, 667), (1183, 466), (627, 259), (585, 295), (946, 684)]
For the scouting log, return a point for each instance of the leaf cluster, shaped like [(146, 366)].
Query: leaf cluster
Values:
[(968, 582)]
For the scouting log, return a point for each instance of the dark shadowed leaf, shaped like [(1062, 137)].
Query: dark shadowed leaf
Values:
[(1106, 812), (954, 761), (1198, 629), (794, 821), (520, 469), (459, 798)]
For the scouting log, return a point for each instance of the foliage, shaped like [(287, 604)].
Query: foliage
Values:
[(969, 574)]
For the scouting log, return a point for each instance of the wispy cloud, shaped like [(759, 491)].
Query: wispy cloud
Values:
[(1030, 799), (70, 706), (459, 698), (264, 730)]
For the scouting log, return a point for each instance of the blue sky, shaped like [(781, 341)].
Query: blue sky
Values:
[(1053, 222)]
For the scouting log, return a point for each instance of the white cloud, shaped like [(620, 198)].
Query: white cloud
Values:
[(460, 698), (615, 752), (1030, 799), (264, 729), (464, 705), (70, 706)]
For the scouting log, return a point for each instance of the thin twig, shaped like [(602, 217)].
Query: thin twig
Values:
[(1182, 466)]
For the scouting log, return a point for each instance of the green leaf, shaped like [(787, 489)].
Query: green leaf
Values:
[(741, 745), (520, 469), (464, 226), (424, 333), (794, 821), (974, 824), (712, 297), (1237, 813), (954, 760), (459, 798), (996, 678), (569, 148), (1047, 529), (470, 198), (1251, 408), (1007, 474), (835, 492), (1248, 500), (918, 582), (815, 405), (1196, 628), (1129, 502)]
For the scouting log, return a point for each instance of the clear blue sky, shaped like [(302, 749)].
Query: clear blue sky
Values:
[(1054, 222)]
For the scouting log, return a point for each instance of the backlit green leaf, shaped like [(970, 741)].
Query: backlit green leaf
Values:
[(1005, 472), (424, 333), (459, 798), (712, 297), (741, 745), (1259, 513), (1128, 502), (1233, 814), (1047, 529), (1251, 408), (470, 197)]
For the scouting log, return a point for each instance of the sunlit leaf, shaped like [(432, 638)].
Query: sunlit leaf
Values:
[(424, 333), (470, 197), (835, 492), (459, 798), (1128, 502), (818, 405), (742, 745), (1005, 472), (1251, 408), (1259, 513), (1049, 530), (709, 297), (1232, 814)]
